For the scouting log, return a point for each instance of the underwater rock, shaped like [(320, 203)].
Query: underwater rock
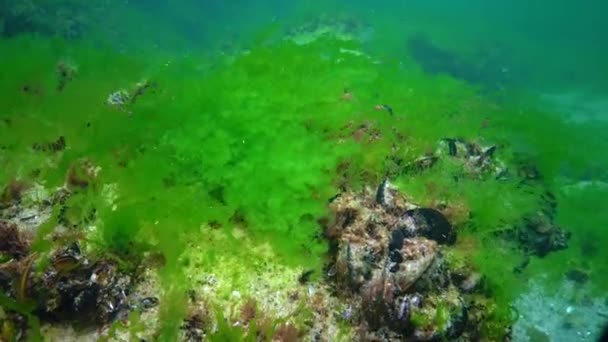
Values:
[(577, 276), (455, 147), (477, 159), (341, 27), (436, 278), (33, 207), (76, 288), (377, 298), (538, 235), (414, 258), (489, 72), (64, 18), (440, 315), (388, 261), (355, 264)]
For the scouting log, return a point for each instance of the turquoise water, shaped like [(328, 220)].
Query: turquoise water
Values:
[(191, 149)]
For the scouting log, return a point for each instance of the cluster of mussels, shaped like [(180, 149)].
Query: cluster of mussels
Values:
[(71, 287), (477, 160), (537, 234), (387, 259), (67, 284)]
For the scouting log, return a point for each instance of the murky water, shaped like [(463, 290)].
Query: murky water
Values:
[(306, 170)]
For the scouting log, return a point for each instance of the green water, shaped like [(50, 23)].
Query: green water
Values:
[(237, 124)]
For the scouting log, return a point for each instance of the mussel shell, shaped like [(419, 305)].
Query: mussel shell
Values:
[(433, 224), (149, 302)]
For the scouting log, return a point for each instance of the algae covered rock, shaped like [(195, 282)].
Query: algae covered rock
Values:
[(476, 159), (443, 314), (410, 261), (388, 262)]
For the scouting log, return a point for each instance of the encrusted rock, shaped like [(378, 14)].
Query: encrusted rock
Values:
[(411, 261), (477, 159), (74, 287), (387, 257), (443, 314), (538, 235), (355, 264)]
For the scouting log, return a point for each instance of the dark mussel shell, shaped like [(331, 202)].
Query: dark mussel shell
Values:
[(433, 224)]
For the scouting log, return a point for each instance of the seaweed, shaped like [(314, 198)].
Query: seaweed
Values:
[(259, 142)]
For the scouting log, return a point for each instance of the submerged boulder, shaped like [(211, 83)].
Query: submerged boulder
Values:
[(384, 246), (477, 160), (409, 262)]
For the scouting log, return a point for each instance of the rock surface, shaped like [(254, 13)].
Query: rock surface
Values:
[(388, 263)]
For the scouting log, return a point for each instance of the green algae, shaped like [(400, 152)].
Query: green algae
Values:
[(252, 144), (24, 308)]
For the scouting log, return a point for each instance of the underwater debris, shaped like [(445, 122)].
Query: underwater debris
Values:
[(13, 242), (385, 107), (347, 95), (53, 146), (81, 174), (305, 276), (65, 74), (122, 99), (140, 89), (194, 326), (119, 98), (249, 311), (12, 193), (32, 89), (420, 164), (286, 333)]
